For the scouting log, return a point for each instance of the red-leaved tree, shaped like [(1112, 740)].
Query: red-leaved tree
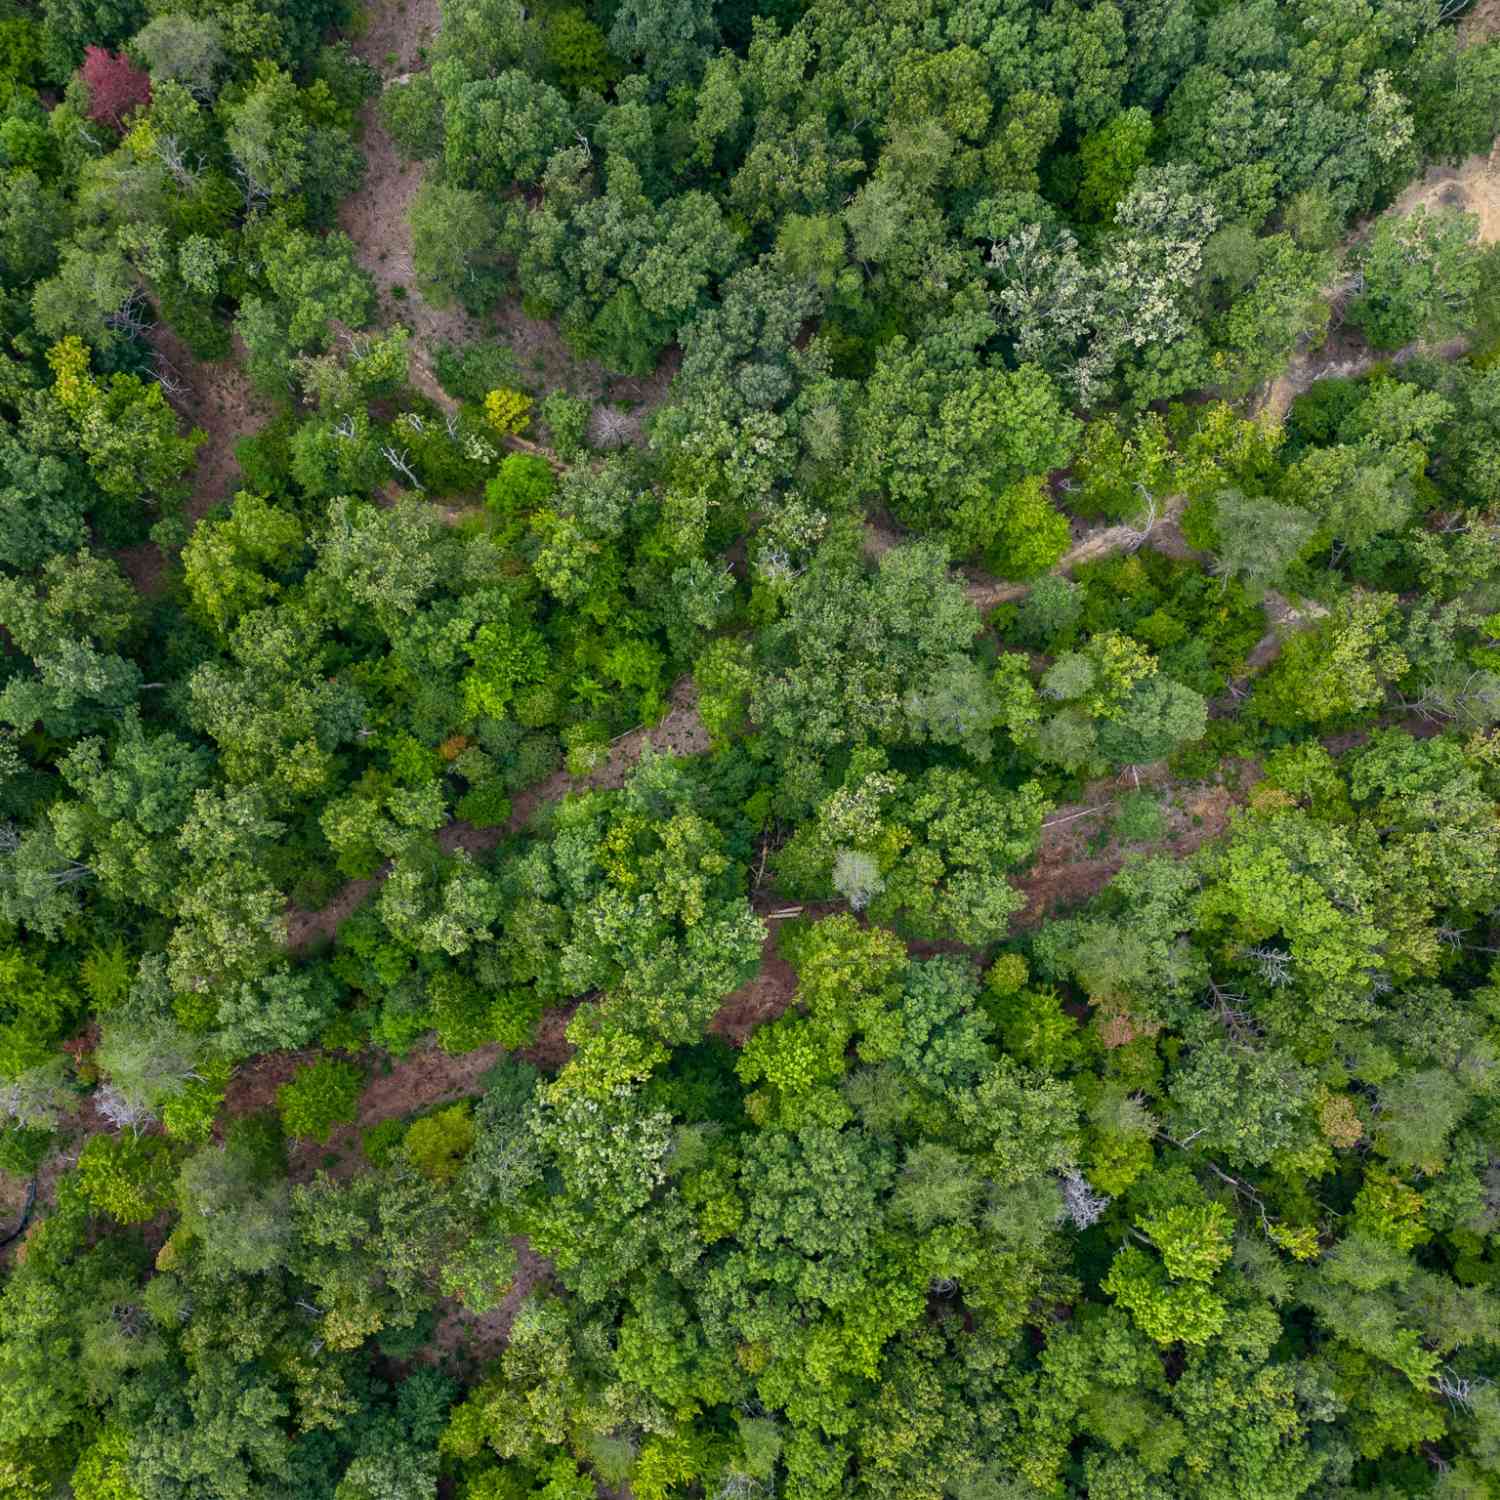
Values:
[(115, 85)]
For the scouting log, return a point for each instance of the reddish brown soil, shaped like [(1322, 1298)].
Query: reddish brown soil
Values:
[(552, 1049), (475, 1339), (1472, 187), (762, 999), (394, 40), (306, 929), (423, 1078), (1070, 867), (219, 399)]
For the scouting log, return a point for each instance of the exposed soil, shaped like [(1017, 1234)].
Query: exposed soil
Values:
[(217, 399), (394, 42), (305, 929), (1078, 858), (1284, 619), (1471, 187), (762, 999), (474, 1339), (552, 1049), (375, 217), (75, 1133), (1479, 23), (423, 1078)]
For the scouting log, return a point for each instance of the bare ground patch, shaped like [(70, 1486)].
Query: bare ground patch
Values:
[(396, 38), (1479, 23), (761, 999), (1471, 187), (1284, 619), (475, 1339), (1074, 863), (218, 398), (215, 397)]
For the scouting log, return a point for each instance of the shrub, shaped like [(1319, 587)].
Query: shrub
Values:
[(321, 1095), (508, 410), (1139, 819), (412, 113), (567, 419), (128, 1177), (116, 86), (1048, 617), (485, 805), (468, 371), (189, 1114), (522, 483), (514, 1014), (437, 1144), (22, 1149), (381, 1140)]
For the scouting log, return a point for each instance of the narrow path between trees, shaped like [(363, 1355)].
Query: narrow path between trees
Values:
[(679, 732), (1472, 187)]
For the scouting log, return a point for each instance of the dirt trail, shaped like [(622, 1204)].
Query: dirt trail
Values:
[(1471, 187), (680, 732), (396, 40), (217, 398), (1164, 534), (376, 217), (1077, 856)]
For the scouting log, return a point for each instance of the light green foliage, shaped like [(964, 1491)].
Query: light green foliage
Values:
[(1338, 668), (927, 439), (127, 1177), (1168, 1311), (522, 483), (438, 1144), (938, 848), (454, 237), (1109, 158), (1419, 278), (318, 1097), (852, 652), (226, 561)]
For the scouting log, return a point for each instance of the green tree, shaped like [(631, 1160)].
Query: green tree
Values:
[(1418, 278), (455, 247), (1340, 667)]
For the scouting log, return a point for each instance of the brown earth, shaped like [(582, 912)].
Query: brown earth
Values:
[(1471, 187), (216, 398), (1479, 23), (1284, 619), (395, 40), (771, 989), (474, 1339)]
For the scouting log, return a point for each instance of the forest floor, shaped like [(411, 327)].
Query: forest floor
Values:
[(1471, 187), (1078, 853), (216, 398)]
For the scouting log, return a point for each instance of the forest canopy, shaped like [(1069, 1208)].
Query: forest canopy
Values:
[(749, 748)]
